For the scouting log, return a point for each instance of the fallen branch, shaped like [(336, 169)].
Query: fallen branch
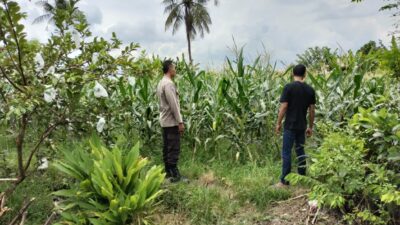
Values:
[(22, 211), (8, 179), (23, 218), (291, 199), (50, 219), (2, 199), (315, 217), (3, 209)]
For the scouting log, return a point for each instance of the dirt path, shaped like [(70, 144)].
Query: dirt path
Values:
[(293, 211), (297, 212)]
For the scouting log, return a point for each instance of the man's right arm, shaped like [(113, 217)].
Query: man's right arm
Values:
[(282, 112), (283, 108)]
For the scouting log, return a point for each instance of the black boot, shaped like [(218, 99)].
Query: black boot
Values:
[(176, 175), (168, 171)]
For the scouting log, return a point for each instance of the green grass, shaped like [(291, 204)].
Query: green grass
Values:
[(220, 192), (236, 194), (201, 205), (38, 186), (224, 193)]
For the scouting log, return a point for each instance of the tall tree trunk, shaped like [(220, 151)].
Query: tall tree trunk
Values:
[(188, 25), (189, 46), (20, 146)]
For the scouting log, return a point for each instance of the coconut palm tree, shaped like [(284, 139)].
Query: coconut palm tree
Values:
[(52, 9), (193, 13)]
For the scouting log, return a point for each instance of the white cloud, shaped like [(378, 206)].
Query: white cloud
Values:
[(286, 28)]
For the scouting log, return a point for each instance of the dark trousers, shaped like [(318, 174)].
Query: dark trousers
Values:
[(290, 138), (171, 148)]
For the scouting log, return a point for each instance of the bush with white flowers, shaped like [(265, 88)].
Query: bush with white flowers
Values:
[(61, 84)]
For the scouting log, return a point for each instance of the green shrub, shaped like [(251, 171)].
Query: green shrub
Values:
[(391, 58), (382, 130), (342, 177), (111, 188)]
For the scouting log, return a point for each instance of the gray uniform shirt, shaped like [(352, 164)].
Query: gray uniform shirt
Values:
[(170, 115)]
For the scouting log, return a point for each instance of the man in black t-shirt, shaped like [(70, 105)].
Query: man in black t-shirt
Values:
[(297, 98)]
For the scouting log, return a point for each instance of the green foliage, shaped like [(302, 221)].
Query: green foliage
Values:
[(391, 58), (342, 176), (345, 88), (317, 58), (369, 48), (382, 130), (333, 174), (111, 187), (47, 86), (229, 116)]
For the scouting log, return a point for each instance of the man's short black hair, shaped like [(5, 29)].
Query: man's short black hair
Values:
[(299, 70), (166, 65)]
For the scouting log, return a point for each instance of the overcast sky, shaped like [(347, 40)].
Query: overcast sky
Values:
[(284, 27)]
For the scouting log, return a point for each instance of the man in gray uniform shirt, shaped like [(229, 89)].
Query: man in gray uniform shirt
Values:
[(171, 121)]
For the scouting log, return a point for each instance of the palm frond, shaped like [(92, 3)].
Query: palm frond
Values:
[(42, 18), (168, 2), (178, 22), (174, 17), (45, 5), (390, 6), (169, 8), (192, 33), (42, 2), (204, 2), (201, 19)]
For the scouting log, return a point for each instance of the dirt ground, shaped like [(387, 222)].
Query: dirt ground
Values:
[(294, 211), (297, 212)]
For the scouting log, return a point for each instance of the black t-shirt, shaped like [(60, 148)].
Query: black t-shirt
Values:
[(299, 97)]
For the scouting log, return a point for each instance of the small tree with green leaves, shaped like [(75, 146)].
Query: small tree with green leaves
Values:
[(52, 85)]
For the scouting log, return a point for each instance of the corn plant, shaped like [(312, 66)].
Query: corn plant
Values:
[(342, 91), (110, 188)]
